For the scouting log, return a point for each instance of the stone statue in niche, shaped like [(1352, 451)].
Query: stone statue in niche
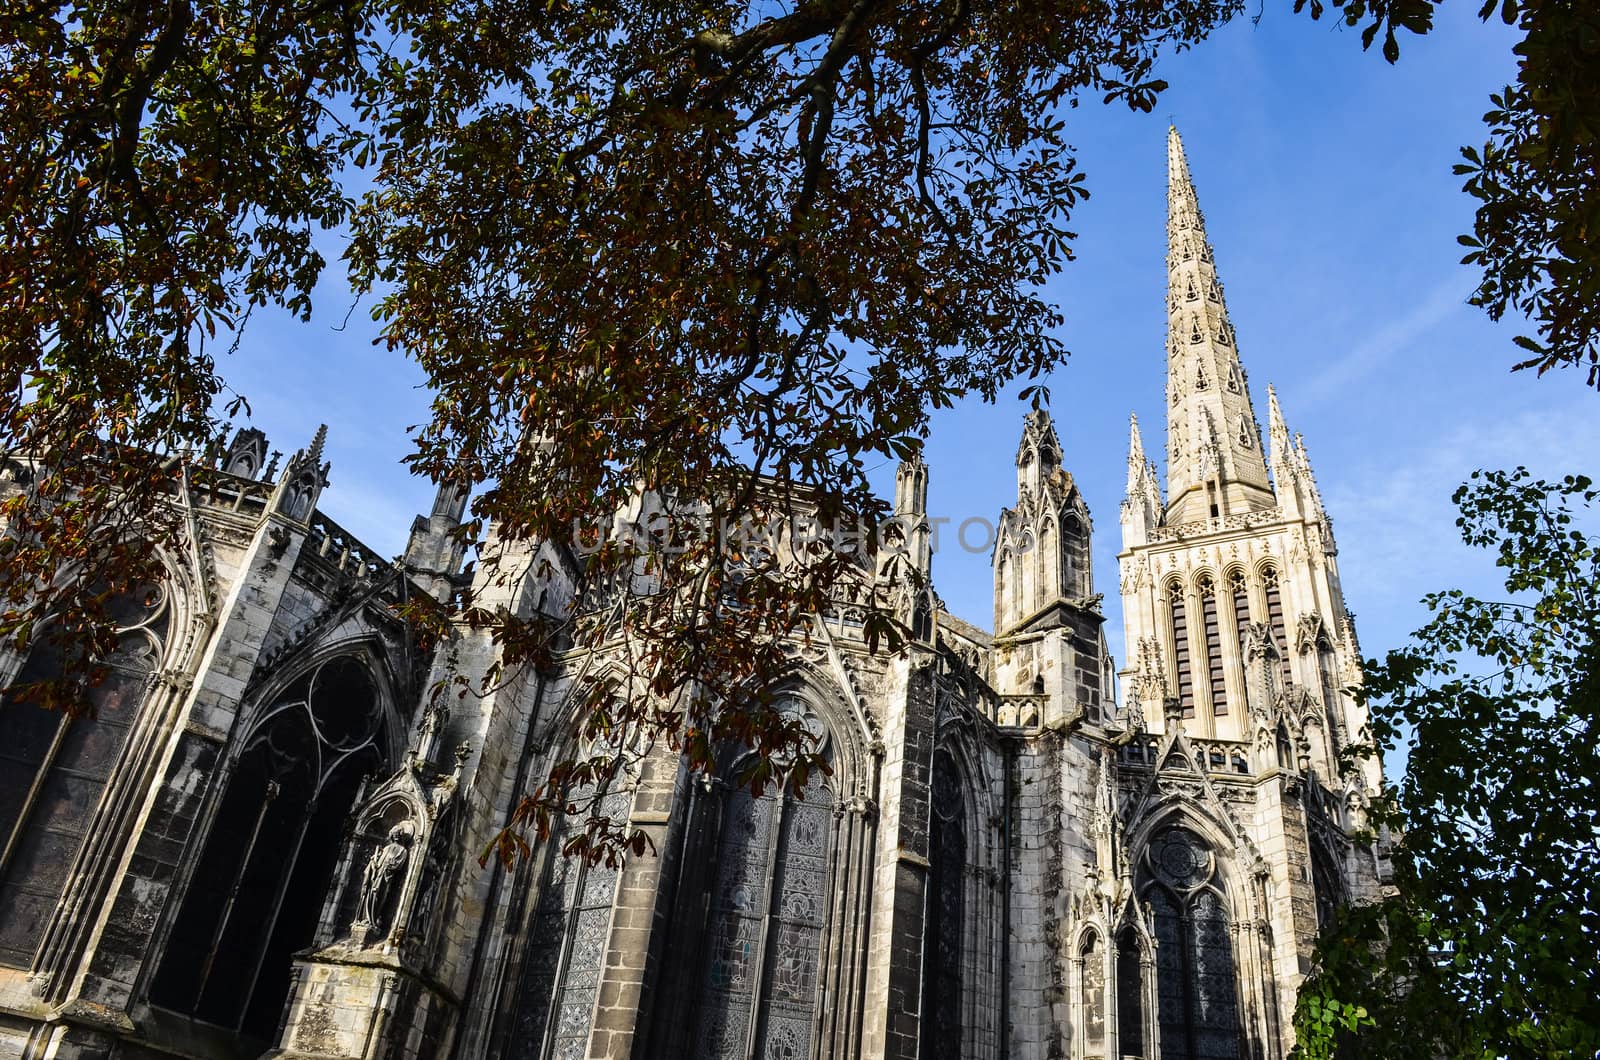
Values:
[(379, 881)]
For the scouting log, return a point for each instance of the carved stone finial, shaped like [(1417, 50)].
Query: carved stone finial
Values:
[(430, 730), (1172, 712)]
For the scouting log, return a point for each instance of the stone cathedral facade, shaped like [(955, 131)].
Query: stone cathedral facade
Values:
[(265, 842)]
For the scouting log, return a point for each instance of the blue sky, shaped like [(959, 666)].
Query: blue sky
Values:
[(1324, 174)]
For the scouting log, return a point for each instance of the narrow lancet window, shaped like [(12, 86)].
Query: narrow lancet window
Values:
[(1215, 673), (1130, 994), (1328, 671), (942, 980), (1275, 621), (1179, 628), (1092, 958), (1241, 619)]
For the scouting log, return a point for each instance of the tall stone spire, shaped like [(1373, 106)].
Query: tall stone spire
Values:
[(1215, 466)]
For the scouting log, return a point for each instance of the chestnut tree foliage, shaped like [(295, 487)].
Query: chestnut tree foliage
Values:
[(1537, 178), (641, 248), (1490, 944)]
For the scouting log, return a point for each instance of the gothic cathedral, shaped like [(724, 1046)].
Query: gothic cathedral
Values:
[(265, 841)]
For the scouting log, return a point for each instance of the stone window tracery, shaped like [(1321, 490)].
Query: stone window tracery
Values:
[(54, 768), (256, 892), (1196, 978)]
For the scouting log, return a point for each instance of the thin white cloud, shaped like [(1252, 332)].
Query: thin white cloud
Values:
[(1379, 348), (1396, 524)]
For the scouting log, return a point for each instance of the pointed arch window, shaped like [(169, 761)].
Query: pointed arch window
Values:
[(1213, 642), (1286, 755), (943, 1035), (1130, 993), (1200, 380), (1091, 958), (1196, 978), (1325, 883), (257, 889), (1076, 548), (1328, 672), (759, 988), (54, 768), (1239, 590), (1275, 620), (1178, 629), (1191, 294), (1194, 330)]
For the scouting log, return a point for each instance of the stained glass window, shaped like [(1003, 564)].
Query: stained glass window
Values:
[(947, 855), (758, 993), (54, 767), (1325, 885), (1213, 639), (566, 948), (256, 894), (1130, 994), (1094, 994), (1196, 987)]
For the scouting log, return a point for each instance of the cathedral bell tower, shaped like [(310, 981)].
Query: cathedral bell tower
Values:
[(1241, 656), (1046, 613), (1230, 581)]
